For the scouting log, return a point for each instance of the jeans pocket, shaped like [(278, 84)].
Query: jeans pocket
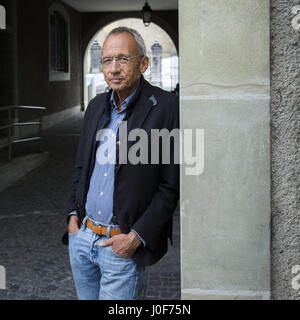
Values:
[(73, 233)]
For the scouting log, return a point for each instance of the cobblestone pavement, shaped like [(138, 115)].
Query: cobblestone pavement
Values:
[(32, 221)]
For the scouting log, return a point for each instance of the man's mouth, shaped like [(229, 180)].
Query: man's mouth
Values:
[(116, 80)]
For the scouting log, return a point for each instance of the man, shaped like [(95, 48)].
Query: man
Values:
[(120, 213)]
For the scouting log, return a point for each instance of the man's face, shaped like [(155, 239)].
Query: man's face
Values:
[(123, 78)]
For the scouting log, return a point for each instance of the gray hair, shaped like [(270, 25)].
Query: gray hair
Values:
[(138, 38)]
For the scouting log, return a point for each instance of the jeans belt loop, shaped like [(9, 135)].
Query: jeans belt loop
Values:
[(83, 223), (108, 231)]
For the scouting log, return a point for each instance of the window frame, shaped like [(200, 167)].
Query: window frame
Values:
[(2, 17), (59, 75)]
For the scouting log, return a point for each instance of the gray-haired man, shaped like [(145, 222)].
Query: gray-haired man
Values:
[(120, 215)]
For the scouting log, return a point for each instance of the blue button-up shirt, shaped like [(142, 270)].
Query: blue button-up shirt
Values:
[(99, 202)]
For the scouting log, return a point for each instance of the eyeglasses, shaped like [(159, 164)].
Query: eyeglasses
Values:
[(121, 59)]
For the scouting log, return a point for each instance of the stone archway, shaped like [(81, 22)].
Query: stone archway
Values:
[(166, 22)]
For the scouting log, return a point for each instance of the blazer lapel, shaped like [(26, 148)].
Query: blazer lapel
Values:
[(141, 109), (140, 112)]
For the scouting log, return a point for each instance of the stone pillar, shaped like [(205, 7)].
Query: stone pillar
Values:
[(95, 57), (225, 90), (156, 53)]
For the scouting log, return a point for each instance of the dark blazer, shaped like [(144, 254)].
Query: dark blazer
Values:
[(145, 195)]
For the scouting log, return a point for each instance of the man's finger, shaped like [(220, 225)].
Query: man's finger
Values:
[(106, 243)]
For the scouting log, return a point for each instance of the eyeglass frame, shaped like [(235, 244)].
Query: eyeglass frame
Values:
[(118, 58)]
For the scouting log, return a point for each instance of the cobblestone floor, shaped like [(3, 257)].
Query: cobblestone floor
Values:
[(32, 221)]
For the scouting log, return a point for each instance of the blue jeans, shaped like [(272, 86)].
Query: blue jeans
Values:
[(100, 274)]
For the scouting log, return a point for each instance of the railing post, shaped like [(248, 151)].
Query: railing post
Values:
[(16, 118), (9, 134), (40, 129)]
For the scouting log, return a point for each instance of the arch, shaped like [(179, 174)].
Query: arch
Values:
[(109, 18), (2, 17)]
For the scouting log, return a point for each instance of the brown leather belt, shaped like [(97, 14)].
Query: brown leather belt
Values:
[(101, 230)]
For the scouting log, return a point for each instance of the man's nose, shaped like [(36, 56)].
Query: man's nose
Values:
[(114, 66)]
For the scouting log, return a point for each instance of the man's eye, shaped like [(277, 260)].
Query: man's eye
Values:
[(107, 60), (123, 59)]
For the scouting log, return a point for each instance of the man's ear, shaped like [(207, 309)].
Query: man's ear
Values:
[(144, 64)]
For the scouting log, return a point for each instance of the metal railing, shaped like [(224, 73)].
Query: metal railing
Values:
[(12, 124)]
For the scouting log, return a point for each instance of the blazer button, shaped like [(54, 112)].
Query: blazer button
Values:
[(114, 219)]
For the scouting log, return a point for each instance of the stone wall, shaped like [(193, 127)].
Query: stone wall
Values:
[(285, 102)]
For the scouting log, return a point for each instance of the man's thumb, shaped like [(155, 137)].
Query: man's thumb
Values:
[(105, 243)]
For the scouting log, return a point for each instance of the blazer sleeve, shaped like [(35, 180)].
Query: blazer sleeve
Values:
[(153, 222)]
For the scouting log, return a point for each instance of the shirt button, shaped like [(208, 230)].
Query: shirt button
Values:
[(105, 174), (113, 135), (99, 212), (101, 193)]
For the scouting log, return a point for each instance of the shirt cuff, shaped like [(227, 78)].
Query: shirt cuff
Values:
[(73, 213), (143, 241)]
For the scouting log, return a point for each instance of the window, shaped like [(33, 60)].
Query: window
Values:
[(59, 43), (2, 18)]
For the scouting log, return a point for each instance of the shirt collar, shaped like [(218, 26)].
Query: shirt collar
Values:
[(124, 104)]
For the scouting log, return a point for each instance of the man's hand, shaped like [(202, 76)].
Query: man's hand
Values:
[(73, 224), (123, 245)]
